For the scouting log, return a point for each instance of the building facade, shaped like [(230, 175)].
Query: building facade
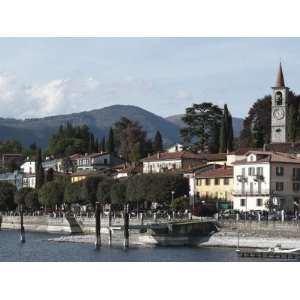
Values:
[(167, 161), (266, 180), (215, 184)]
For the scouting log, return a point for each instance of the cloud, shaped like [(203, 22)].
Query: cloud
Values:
[(63, 96)]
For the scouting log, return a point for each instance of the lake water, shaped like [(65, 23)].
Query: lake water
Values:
[(38, 248)]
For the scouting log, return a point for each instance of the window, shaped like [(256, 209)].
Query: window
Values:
[(259, 202), (105, 161), (296, 186), (243, 202), (279, 171), (296, 174), (278, 98), (226, 181), (198, 182), (216, 194), (251, 171), (217, 181), (207, 181), (259, 171), (279, 186)]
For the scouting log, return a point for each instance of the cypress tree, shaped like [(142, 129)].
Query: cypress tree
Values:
[(226, 132), (91, 143), (222, 143), (103, 148), (110, 142), (96, 145), (230, 133), (39, 171), (213, 145), (157, 143), (50, 175)]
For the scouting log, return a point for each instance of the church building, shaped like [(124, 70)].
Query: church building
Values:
[(279, 110)]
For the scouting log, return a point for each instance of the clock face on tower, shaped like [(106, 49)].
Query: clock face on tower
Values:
[(278, 114)]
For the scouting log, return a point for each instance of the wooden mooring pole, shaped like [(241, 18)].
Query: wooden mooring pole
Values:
[(22, 232), (109, 229), (98, 225), (126, 227)]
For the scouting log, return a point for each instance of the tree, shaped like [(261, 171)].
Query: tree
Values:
[(118, 193), (32, 200), (157, 143), (103, 191), (67, 165), (7, 191), (180, 203), (200, 119), (156, 188), (73, 193), (20, 196), (110, 147), (257, 125), (70, 140), (103, 147), (226, 131), (39, 170), (130, 139), (90, 185), (214, 138), (91, 148), (51, 194), (50, 175)]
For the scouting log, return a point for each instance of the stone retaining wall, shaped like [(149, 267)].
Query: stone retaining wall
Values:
[(40, 224), (263, 228)]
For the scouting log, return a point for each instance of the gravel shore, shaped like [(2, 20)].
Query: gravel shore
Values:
[(220, 239)]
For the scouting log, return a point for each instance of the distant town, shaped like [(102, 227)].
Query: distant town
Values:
[(210, 171)]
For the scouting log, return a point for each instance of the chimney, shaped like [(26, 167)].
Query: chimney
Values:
[(158, 155)]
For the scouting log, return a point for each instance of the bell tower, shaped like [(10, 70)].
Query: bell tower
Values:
[(279, 110)]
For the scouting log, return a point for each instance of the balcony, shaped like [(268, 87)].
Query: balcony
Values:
[(252, 193), (258, 177), (241, 178)]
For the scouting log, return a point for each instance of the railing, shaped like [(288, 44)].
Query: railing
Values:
[(251, 193)]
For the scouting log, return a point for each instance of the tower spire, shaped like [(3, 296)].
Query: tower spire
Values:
[(280, 78)]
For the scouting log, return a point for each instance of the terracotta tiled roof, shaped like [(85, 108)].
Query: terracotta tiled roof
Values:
[(268, 156), (172, 155), (242, 151), (217, 173), (213, 156), (283, 147)]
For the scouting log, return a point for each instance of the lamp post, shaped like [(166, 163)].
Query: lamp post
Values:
[(172, 193), (246, 207)]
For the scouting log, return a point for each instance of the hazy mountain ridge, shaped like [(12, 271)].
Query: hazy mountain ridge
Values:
[(99, 121)]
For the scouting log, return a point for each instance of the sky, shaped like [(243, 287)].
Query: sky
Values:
[(49, 76)]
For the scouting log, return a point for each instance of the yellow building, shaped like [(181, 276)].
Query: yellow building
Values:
[(81, 175), (215, 183)]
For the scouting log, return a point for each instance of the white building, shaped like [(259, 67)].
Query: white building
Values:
[(28, 170), (96, 161), (166, 161), (266, 177), (175, 148), (54, 164)]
